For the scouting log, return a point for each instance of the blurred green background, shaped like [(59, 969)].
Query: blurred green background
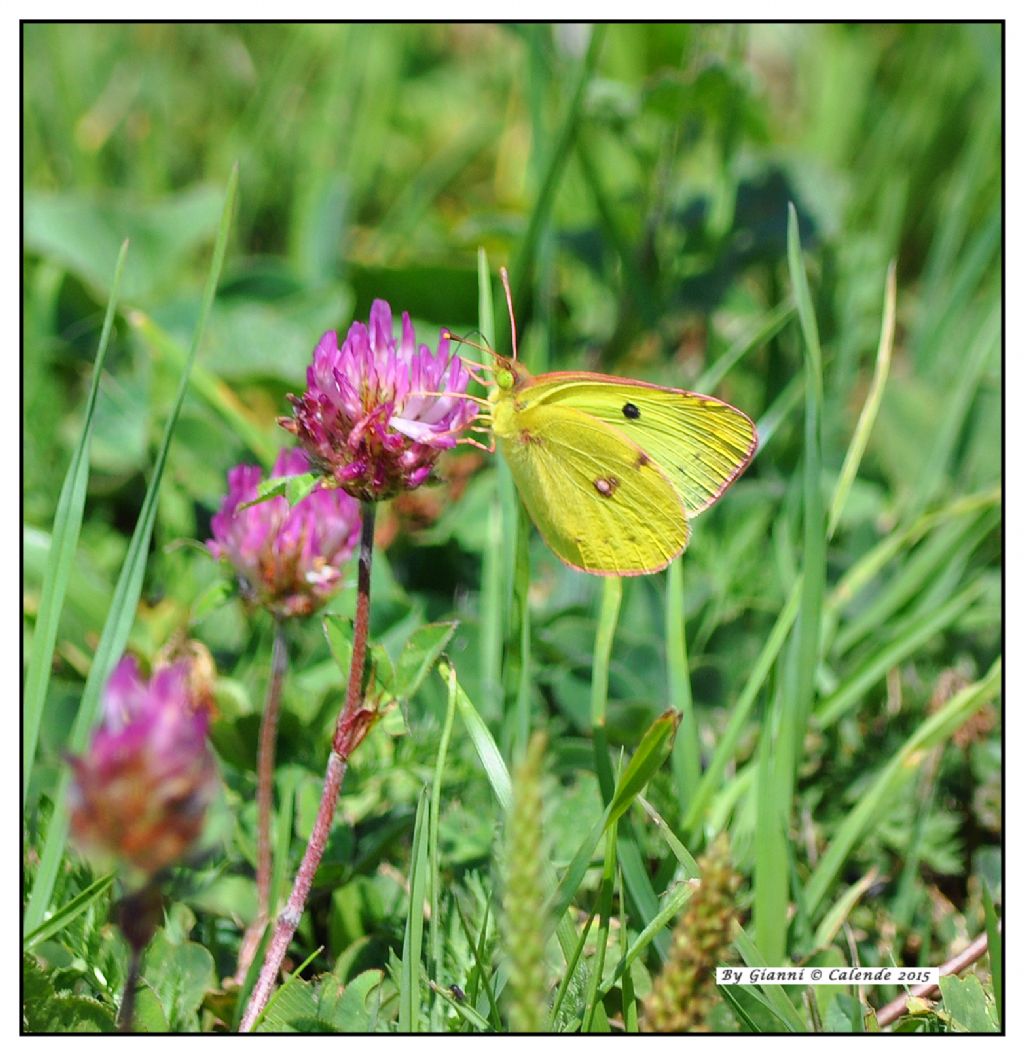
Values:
[(636, 182)]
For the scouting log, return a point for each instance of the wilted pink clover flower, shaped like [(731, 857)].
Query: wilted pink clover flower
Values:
[(378, 412), (141, 790), (287, 558)]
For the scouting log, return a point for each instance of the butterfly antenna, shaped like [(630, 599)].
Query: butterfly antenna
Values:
[(448, 335), (511, 314)]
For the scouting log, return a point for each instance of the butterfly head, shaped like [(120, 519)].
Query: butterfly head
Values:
[(505, 375)]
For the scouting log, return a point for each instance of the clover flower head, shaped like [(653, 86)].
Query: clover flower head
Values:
[(139, 794), (288, 559), (378, 411)]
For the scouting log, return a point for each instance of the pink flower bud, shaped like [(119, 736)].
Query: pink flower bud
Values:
[(140, 792)]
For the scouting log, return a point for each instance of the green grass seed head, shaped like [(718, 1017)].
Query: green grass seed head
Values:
[(523, 909)]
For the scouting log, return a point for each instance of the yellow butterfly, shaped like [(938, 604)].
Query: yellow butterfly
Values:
[(612, 470)]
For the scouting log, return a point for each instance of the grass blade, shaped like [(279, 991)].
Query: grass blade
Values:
[(433, 853), (903, 765), (686, 753), (771, 871), (738, 715), (217, 395), (126, 595), (813, 589), (72, 910), (869, 412), (651, 752), (67, 523), (607, 620), (911, 636), (412, 944), (524, 258), (501, 784)]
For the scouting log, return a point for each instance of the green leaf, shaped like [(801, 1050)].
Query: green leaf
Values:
[(647, 759), (293, 1009), (84, 235), (149, 1014), (352, 1008), (486, 748), (294, 488), (215, 596), (382, 678), (46, 1011), (971, 1009), (293, 1005), (180, 975)]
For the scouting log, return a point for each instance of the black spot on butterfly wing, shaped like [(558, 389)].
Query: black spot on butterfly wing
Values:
[(631, 411)]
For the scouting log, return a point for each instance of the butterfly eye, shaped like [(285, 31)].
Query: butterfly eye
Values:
[(505, 379), (631, 411)]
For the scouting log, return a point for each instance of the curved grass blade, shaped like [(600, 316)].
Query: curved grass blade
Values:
[(869, 412), (126, 594), (67, 523)]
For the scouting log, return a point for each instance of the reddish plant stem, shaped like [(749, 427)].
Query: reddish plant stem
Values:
[(344, 743), (265, 800), (892, 1011)]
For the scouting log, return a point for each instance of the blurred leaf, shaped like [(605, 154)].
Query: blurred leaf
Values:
[(69, 912), (419, 655), (85, 233), (970, 1007), (351, 1008)]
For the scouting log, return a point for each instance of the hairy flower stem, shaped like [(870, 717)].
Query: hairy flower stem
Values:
[(265, 800), (346, 739)]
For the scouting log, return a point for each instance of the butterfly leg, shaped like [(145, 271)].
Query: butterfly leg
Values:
[(476, 443)]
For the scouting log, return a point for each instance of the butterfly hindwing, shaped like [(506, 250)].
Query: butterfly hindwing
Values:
[(700, 443), (600, 502)]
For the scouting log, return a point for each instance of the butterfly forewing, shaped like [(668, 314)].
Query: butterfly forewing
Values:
[(700, 443), (600, 502)]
